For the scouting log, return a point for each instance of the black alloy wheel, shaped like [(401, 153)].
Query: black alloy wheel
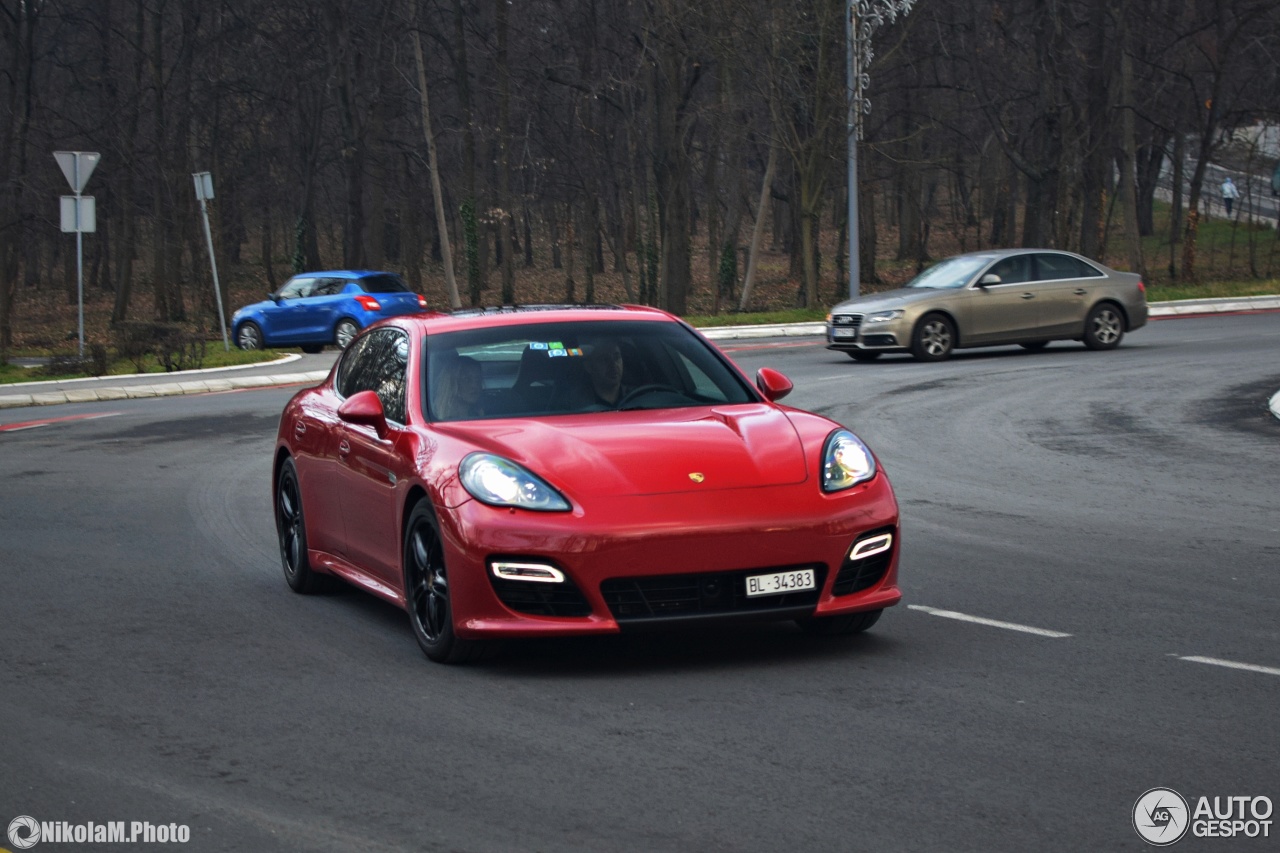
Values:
[(291, 529), (426, 584), (1104, 327)]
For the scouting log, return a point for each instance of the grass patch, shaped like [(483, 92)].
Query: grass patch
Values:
[(214, 356)]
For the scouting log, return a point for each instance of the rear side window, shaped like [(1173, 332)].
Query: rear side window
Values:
[(383, 283), (1051, 267)]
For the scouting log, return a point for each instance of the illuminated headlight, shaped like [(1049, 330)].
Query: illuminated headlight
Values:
[(846, 461), (496, 481), (882, 316)]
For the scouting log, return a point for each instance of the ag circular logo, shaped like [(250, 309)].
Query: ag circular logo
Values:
[(24, 832), (1161, 817)]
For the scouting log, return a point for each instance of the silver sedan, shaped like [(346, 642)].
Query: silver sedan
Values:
[(1011, 296)]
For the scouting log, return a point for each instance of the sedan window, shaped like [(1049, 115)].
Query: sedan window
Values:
[(1014, 270), (1051, 266)]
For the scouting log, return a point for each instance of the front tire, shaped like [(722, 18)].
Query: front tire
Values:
[(291, 530), (249, 336), (834, 626), (344, 332), (933, 339), (426, 584), (1104, 327)]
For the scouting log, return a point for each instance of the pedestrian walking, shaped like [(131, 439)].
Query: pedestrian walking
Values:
[(1229, 195)]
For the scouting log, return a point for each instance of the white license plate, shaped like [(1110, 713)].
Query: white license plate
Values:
[(844, 333), (780, 582)]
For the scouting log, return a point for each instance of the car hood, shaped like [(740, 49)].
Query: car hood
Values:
[(254, 306), (651, 452), (887, 301)]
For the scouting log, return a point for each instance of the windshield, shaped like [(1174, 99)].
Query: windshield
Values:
[(574, 367), (951, 273)]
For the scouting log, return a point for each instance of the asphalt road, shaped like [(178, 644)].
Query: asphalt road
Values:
[(155, 667)]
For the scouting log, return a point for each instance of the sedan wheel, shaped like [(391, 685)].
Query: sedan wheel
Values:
[(345, 331), (933, 339), (427, 591), (291, 528), (249, 336), (1104, 327)]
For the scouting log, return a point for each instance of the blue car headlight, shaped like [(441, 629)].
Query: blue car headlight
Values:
[(846, 462), (497, 481)]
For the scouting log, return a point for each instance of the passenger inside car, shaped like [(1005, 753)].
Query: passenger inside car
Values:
[(458, 390)]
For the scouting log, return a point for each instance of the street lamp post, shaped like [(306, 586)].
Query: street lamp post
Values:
[(862, 18)]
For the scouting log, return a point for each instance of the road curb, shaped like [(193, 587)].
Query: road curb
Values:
[(165, 389)]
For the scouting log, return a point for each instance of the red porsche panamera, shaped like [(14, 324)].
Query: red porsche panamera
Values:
[(525, 472)]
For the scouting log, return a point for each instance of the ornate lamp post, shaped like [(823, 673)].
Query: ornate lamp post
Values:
[(862, 18)]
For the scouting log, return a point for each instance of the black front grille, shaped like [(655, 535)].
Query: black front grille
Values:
[(707, 594), (857, 575), (846, 320), (541, 599)]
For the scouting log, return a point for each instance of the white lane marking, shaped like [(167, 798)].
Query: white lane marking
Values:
[(1231, 664), (980, 620)]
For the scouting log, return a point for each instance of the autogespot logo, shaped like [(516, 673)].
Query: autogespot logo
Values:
[(24, 832), (1160, 816)]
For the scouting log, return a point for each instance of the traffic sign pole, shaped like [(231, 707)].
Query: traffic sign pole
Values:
[(78, 166), (204, 191)]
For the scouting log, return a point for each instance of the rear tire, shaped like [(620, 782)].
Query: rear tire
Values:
[(311, 349), (933, 338), (344, 332), (427, 598), (835, 626), (862, 355), (1104, 327), (1034, 346)]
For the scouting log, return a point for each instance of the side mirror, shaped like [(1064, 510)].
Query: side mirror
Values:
[(988, 279), (364, 408), (274, 297), (772, 384)]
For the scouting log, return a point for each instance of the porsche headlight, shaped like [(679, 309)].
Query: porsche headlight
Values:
[(882, 316), (846, 461), (497, 481)]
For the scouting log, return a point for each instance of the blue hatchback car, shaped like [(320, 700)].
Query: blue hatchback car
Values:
[(314, 309)]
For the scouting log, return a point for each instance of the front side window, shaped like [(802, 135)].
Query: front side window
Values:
[(297, 287), (377, 362), (1014, 270), (571, 368)]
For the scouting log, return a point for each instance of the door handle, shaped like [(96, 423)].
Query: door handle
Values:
[(1028, 296), (344, 447), (1079, 291)]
